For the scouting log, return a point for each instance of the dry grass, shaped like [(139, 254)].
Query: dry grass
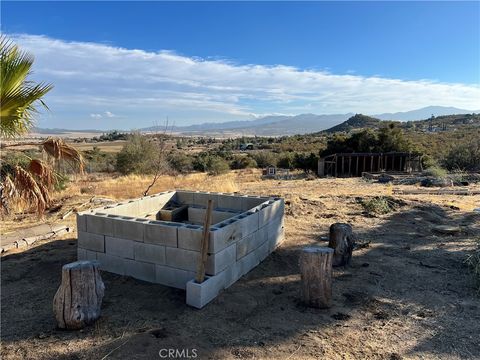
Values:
[(132, 186)]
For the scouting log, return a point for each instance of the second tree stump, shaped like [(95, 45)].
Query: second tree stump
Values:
[(316, 272), (79, 298)]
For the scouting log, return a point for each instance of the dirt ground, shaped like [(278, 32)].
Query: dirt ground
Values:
[(407, 295)]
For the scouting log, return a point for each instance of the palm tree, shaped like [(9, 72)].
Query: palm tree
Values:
[(19, 97), (19, 101)]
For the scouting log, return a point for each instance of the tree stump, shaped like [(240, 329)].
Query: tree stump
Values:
[(79, 298), (316, 272), (342, 240)]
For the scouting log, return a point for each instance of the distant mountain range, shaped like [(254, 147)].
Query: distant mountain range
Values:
[(286, 125)]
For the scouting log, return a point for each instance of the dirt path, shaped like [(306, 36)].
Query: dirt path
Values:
[(408, 295)]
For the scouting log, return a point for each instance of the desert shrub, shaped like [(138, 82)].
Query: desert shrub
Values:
[(286, 160), (180, 162), (99, 161), (436, 172), (306, 162), (217, 165), (243, 162), (380, 205), (464, 156), (265, 158), (139, 155)]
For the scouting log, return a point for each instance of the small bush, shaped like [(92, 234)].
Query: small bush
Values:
[(139, 155), (243, 162), (217, 166), (180, 162), (436, 172), (380, 205), (464, 156), (265, 158)]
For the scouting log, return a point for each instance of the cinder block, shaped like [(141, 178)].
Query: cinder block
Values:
[(90, 241), (140, 270), (161, 233), (81, 222), (190, 237), (251, 242), (262, 251), (230, 202), (249, 202), (231, 275), (182, 259), (196, 215), (111, 263), (99, 224), (119, 247), (81, 254), (184, 197), (169, 276), (225, 234), (273, 210), (149, 253), (201, 198), (276, 240), (249, 221), (199, 295), (221, 260), (247, 263), (129, 228), (222, 215)]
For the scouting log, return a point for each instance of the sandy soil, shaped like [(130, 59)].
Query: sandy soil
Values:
[(408, 295)]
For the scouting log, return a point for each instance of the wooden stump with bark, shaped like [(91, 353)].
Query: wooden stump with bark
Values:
[(316, 273), (79, 298), (342, 240)]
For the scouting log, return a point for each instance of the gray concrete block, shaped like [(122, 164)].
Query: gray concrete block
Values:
[(249, 222), (184, 197), (262, 251), (182, 259), (199, 295), (81, 254), (161, 233), (273, 210), (251, 242), (149, 253), (222, 215), (190, 237), (140, 270), (196, 215), (113, 264), (221, 260), (231, 275), (201, 198), (129, 228), (88, 241), (99, 224), (249, 202), (81, 223), (247, 263), (169, 276), (119, 247), (230, 202), (225, 234)]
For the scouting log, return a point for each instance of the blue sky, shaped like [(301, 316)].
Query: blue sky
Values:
[(131, 64)]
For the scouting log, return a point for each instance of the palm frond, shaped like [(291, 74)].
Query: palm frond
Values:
[(60, 150), (29, 190), (19, 97), (43, 172)]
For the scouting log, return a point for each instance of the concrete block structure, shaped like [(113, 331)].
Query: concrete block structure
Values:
[(130, 238)]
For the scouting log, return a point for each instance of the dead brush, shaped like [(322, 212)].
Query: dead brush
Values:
[(380, 205)]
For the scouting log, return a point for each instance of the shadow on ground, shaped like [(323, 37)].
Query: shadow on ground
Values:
[(410, 288)]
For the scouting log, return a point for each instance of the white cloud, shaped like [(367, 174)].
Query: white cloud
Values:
[(146, 86)]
